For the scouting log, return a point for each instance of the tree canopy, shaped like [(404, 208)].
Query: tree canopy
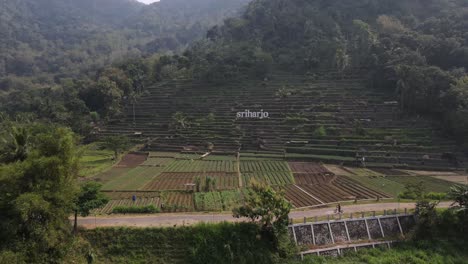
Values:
[(37, 194)]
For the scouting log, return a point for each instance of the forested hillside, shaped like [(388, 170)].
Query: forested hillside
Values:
[(46, 40), (417, 50)]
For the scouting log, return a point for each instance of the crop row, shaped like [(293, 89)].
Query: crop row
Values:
[(177, 202), (299, 198), (112, 195), (308, 167), (187, 181), (270, 178), (341, 189), (312, 178), (252, 166), (430, 184), (327, 193), (363, 172), (217, 201), (201, 166), (157, 162), (133, 179), (107, 209), (132, 160), (357, 190)]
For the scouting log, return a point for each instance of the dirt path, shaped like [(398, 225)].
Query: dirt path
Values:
[(177, 219)]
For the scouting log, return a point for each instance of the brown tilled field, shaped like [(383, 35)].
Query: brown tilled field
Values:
[(132, 160), (308, 167), (313, 179), (316, 185), (310, 173), (177, 202), (182, 180), (298, 198)]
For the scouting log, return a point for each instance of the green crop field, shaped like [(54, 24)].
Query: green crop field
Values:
[(157, 162), (110, 175), (133, 179), (430, 184), (201, 166), (95, 161), (379, 183), (217, 201), (269, 177), (273, 166), (364, 172), (209, 157), (107, 209)]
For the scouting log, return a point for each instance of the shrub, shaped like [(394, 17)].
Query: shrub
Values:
[(135, 209), (320, 132), (413, 191), (435, 196)]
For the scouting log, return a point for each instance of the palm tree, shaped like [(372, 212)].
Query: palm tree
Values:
[(459, 193), (15, 145), (179, 120)]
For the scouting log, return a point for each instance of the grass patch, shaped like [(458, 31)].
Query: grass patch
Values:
[(132, 179), (379, 183), (217, 201), (440, 252), (430, 184), (95, 161)]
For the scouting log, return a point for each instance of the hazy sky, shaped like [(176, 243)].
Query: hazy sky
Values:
[(148, 1)]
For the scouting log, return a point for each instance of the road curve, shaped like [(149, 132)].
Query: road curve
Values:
[(181, 219)]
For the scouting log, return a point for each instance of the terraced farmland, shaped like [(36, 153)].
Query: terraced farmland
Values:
[(131, 160), (95, 161), (396, 184), (311, 173), (335, 103), (186, 180), (157, 162), (254, 166), (217, 201), (201, 166), (167, 178), (133, 179), (270, 178), (177, 202), (316, 185), (107, 209), (430, 184), (299, 198)]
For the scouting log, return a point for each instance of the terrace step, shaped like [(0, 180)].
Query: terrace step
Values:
[(342, 104)]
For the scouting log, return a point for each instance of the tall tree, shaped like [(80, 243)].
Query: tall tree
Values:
[(116, 144), (14, 145), (266, 206), (89, 198), (37, 195)]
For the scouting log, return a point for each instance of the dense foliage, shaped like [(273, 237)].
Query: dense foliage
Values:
[(37, 192), (79, 62), (47, 39), (147, 209), (204, 244), (89, 198), (417, 50), (409, 253)]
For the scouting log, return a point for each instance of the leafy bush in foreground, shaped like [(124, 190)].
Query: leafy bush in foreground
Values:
[(148, 209)]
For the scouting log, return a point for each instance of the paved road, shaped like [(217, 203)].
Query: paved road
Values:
[(178, 219)]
